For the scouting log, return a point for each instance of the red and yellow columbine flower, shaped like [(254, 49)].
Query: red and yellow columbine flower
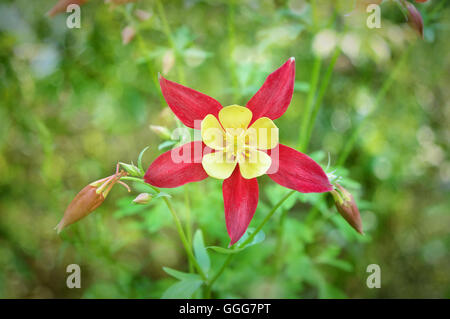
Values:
[(238, 145)]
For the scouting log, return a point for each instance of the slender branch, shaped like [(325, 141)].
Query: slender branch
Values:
[(309, 103), (381, 93), (231, 46), (320, 95), (144, 49), (184, 240), (266, 219), (188, 221), (178, 225), (169, 35), (279, 241), (247, 241)]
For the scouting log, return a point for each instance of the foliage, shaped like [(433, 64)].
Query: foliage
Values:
[(74, 102)]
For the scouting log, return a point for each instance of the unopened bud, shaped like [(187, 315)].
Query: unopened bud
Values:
[(89, 199), (128, 34), (143, 15), (143, 198), (161, 131), (414, 18), (86, 201), (346, 206)]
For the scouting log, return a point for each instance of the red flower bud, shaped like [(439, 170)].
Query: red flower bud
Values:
[(88, 200), (128, 34), (414, 18), (62, 5), (143, 15), (346, 206), (422, 1)]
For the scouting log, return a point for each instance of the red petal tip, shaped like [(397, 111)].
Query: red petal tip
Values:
[(187, 104), (297, 171), (240, 198), (274, 96)]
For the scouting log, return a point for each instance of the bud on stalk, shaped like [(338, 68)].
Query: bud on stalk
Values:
[(414, 18), (161, 131), (143, 198), (128, 34), (143, 15), (89, 199), (346, 206)]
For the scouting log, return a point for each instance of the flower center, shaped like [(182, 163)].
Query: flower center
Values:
[(235, 142)]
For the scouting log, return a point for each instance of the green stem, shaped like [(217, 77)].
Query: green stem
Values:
[(178, 225), (169, 35), (320, 95), (151, 70), (184, 239), (247, 241), (313, 14), (386, 86), (144, 49), (231, 46), (188, 221), (309, 102), (279, 243)]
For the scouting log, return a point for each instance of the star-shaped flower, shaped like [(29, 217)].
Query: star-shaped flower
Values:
[(238, 145)]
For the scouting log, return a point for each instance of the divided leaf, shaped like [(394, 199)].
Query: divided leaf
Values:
[(200, 252)]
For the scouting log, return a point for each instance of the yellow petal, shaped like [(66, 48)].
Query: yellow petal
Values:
[(262, 134), (254, 164), (235, 117), (218, 165), (212, 133)]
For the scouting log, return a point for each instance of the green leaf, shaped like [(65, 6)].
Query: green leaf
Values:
[(139, 161), (180, 275), (200, 252), (337, 263), (222, 250), (166, 144), (330, 256), (182, 289), (259, 237)]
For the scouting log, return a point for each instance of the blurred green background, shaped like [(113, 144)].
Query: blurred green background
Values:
[(74, 102)]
